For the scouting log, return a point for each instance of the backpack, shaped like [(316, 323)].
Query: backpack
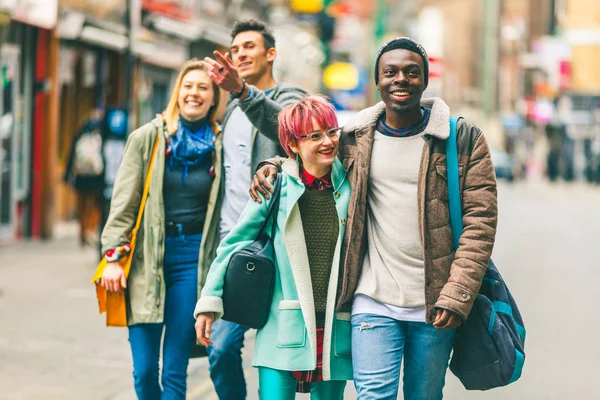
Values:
[(88, 160), (489, 347)]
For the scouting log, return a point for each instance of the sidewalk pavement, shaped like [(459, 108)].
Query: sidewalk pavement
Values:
[(53, 342)]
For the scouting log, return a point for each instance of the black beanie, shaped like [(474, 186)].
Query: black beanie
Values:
[(407, 44)]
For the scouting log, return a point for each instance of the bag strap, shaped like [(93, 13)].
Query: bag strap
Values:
[(276, 206), (453, 183), (144, 197), (272, 209)]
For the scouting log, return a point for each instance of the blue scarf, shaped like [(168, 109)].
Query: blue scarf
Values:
[(191, 147)]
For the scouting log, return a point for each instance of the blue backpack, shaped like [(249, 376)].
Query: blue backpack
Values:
[(489, 347)]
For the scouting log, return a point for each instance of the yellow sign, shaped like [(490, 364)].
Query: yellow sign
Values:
[(341, 76), (306, 6)]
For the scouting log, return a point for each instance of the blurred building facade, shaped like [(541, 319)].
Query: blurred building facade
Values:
[(522, 70)]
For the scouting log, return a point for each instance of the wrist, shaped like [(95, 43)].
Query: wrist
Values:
[(116, 254), (237, 95)]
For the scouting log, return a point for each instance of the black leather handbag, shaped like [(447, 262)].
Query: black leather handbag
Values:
[(250, 276)]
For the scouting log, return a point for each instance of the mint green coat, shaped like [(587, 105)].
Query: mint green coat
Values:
[(288, 340)]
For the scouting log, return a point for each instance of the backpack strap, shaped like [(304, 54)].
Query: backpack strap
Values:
[(453, 183)]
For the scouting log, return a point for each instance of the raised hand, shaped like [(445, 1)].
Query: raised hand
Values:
[(224, 73)]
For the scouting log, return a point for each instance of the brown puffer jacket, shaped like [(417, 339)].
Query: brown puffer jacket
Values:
[(452, 280)]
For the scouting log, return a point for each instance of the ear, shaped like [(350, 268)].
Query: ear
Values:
[(293, 147), (271, 54)]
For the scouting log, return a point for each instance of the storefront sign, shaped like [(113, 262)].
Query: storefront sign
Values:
[(8, 5), (40, 13)]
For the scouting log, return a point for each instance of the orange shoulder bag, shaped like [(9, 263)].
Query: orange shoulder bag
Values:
[(114, 303)]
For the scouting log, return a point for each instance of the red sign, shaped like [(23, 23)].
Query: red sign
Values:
[(436, 67), (174, 9), (566, 75)]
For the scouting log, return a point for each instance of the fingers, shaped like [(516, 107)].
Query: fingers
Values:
[(212, 65), (455, 321), (229, 60), (446, 320), (200, 330), (253, 193), (203, 325), (442, 318), (264, 187), (221, 58), (266, 177), (216, 78), (207, 330), (114, 282)]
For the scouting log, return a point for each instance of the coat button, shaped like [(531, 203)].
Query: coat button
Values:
[(465, 296), (337, 195)]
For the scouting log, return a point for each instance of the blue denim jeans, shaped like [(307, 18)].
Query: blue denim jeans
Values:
[(281, 385), (225, 359), (378, 344), (180, 269)]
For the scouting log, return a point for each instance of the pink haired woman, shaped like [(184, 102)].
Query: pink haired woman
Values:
[(306, 342)]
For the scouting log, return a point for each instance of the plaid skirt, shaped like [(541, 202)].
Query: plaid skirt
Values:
[(305, 378)]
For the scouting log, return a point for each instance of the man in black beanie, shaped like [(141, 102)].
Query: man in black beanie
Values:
[(406, 286)]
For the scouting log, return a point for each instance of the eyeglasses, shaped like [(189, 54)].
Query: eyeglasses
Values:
[(319, 136)]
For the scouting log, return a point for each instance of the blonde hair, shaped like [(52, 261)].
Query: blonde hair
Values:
[(172, 111)]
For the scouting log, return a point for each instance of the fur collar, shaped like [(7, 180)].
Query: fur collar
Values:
[(438, 126)]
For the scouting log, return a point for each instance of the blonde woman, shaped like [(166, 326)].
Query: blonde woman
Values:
[(177, 232)]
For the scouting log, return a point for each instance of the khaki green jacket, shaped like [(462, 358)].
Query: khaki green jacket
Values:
[(145, 284)]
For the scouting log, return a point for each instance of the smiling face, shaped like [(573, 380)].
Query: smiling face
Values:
[(196, 95), (401, 80), (316, 156), (250, 56)]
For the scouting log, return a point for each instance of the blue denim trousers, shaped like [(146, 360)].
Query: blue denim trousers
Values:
[(225, 360), (281, 385), (180, 267), (378, 345)]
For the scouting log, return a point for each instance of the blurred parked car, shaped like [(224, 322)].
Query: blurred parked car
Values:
[(505, 166)]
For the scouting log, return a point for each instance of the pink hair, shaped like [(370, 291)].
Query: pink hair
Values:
[(296, 119)]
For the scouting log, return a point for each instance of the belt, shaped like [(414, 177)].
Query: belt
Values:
[(175, 229)]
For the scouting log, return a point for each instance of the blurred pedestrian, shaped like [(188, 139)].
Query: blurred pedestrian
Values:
[(310, 227), (249, 136), (178, 227), (85, 173), (409, 290)]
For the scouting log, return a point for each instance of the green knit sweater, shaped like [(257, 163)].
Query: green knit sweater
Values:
[(321, 230)]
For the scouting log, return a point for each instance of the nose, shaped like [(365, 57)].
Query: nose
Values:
[(327, 140), (400, 77), (241, 54), (195, 91)]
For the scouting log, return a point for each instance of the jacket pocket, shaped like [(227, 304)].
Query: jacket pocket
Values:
[(291, 330), (441, 180), (343, 335)]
